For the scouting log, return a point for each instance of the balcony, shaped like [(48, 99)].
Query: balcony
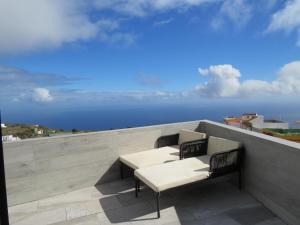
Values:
[(75, 180)]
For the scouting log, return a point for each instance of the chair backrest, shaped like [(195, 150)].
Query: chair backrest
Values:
[(189, 135), (216, 144)]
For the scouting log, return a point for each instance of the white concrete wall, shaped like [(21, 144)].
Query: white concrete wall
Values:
[(43, 167), (271, 169), (276, 125), (259, 123)]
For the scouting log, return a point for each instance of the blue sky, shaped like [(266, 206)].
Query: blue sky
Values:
[(57, 54)]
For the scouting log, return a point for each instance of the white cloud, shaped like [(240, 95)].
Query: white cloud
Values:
[(42, 24), (238, 12), (34, 24), (217, 23), (99, 97), (21, 85), (42, 95), (142, 8), (163, 22), (224, 81), (255, 88), (287, 19), (288, 81)]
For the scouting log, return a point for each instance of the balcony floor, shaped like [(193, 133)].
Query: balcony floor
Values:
[(114, 203)]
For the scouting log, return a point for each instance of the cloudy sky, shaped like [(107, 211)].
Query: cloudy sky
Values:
[(73, 53)]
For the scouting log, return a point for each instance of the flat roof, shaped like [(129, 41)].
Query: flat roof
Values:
[(273, 121)]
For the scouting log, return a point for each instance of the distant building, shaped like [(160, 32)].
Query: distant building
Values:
[(3, 125), (37, 130), (255, 122), (233, 121), (259, 123), (248, 116), (10, 138)]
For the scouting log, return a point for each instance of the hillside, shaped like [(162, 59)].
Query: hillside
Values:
[(24, 131)]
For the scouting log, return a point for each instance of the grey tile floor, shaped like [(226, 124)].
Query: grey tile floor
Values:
[(114, 203)]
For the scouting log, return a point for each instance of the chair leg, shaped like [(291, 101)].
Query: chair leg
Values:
[(136, 187), (121, 170), (139, 185), (157, 204), (240, 179)]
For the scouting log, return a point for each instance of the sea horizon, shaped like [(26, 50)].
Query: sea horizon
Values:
[(127, 116)]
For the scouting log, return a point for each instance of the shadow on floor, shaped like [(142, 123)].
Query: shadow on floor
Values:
[(207, 203), (105, 184), (138, 209)]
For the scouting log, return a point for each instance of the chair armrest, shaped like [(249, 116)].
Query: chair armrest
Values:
[(167, 140), (193, 148), (222, 163)]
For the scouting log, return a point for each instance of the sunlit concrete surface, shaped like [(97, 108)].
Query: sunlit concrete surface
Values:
[(210, 203)]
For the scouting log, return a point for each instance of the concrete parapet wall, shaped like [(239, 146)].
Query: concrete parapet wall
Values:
[(271, 169), (44, 167)]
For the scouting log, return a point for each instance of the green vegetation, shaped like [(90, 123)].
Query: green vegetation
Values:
[(18, 130), (74, 131), (284, 132), (24, 131)]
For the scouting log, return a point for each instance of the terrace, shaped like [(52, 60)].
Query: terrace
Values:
[(75, 180)]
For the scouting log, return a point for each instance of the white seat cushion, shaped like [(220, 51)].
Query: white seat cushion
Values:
[(173, 174), (216, 144), (189, 135), (151, 157)]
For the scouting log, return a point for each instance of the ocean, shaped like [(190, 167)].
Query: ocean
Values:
[(124, 116)]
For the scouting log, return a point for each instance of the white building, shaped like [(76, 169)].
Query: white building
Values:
[(40, 132), (259, 123), (3, 125), (37, 130), (10, 138)]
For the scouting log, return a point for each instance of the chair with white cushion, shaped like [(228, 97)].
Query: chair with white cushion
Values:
[(222, 156), (169, 148)]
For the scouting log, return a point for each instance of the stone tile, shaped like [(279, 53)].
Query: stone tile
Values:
[(273, 221), (219, 219), (137, 212), (115, 203), (76, 210), (85, 220), (129, 198), (64, 200), (116, 187), (44, 218), (251, 215), (20, 212)]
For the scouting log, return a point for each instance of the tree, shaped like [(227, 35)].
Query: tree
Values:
[(74, 130)]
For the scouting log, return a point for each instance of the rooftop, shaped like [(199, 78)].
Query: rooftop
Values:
[(75, 180), (273, 121), (114, 203)]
